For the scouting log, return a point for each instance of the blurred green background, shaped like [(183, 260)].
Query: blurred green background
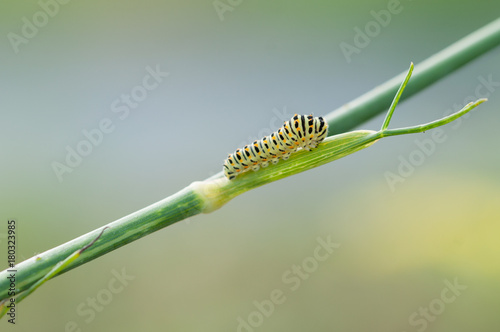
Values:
[(230, 76)]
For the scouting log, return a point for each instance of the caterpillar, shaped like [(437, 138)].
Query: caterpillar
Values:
[(302, 131)]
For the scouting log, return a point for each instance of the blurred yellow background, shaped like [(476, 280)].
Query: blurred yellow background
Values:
[(418, 254)]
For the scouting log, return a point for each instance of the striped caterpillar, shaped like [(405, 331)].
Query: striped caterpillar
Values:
[(302, 131)]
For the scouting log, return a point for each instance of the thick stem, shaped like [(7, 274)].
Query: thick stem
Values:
[(177, 207), (352, 114)]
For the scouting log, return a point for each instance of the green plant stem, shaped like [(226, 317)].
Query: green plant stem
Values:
[(59, 267), (352, 114), (433, 124), (182, 205), (395, 101)]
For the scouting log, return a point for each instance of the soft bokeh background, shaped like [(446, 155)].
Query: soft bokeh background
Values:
[(229, 79)]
